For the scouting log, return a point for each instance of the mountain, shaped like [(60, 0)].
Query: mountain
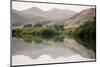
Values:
[(56, 15), (80, 18), (60, 13), (35, 15), (33, 10), (19, 18)]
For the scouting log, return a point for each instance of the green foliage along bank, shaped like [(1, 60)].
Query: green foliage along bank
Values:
[(38, 33), (84, 34)]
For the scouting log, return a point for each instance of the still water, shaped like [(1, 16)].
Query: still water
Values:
[(47, 51)]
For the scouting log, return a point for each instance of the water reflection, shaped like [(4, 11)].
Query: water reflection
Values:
[(80, 49), (55, 47), (34, 50)]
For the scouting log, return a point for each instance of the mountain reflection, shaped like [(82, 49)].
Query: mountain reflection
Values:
[(54, 46)]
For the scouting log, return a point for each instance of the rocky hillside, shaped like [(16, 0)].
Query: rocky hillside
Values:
[(79, 19)]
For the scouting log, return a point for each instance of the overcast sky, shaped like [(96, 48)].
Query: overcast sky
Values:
[(25, 5)]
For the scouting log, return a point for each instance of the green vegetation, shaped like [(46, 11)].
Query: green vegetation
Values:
[(28, 26), (38, 33), (70, 32), (84, 34), (38, 25)]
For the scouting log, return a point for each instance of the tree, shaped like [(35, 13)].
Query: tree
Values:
[(38, 25), (27, 26)]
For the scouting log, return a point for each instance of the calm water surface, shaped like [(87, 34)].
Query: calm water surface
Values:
[(49, 51)]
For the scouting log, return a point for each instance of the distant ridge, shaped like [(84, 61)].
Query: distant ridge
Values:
[(35, 15), (52, 14)]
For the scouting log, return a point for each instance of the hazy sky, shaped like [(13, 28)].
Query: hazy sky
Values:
[(25, 5)]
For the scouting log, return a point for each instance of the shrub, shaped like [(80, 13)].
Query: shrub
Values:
[(27, 26)]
